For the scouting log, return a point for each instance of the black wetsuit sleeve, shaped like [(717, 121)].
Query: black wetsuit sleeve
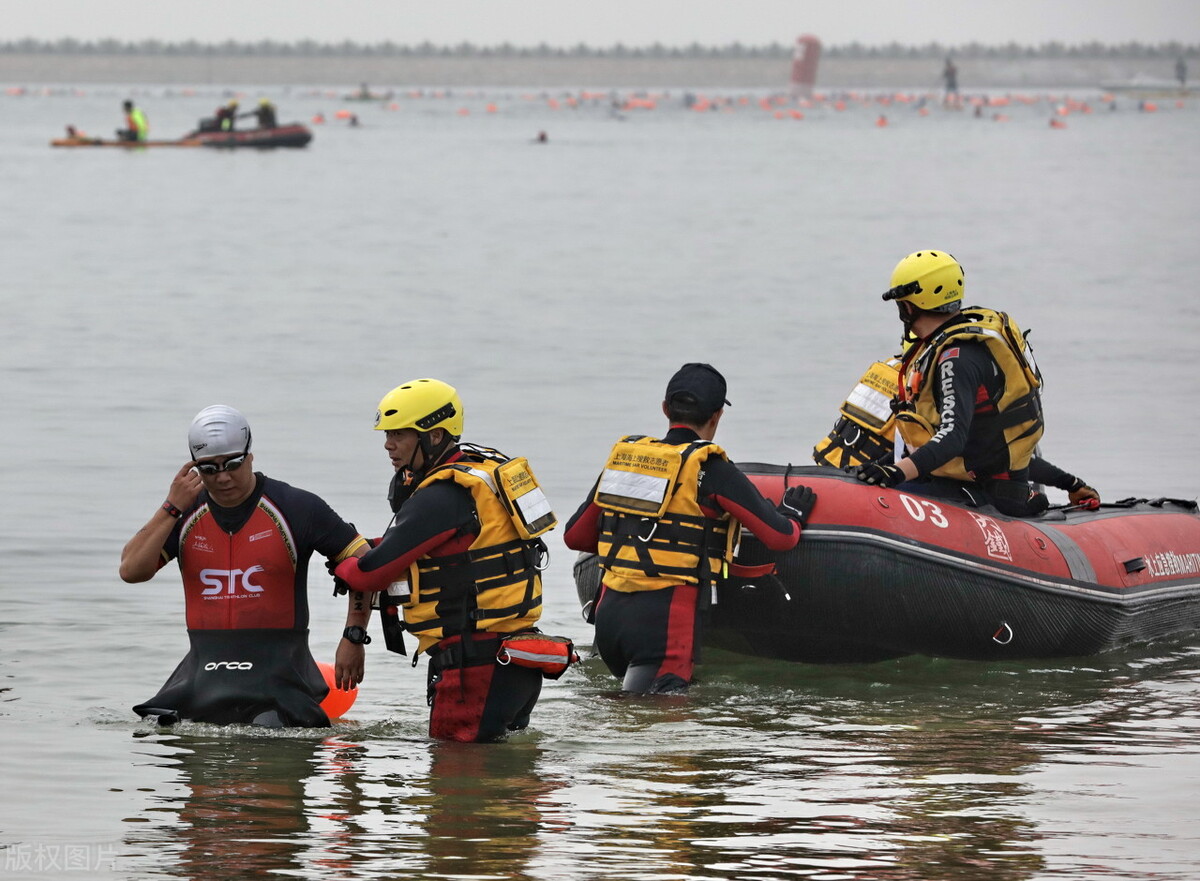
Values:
[(723, 487), (330, 535), (961, 370), (315, 525), (1043, 472), (429, 518)]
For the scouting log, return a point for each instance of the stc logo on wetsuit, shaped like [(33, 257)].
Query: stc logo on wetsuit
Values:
[(229, 581)]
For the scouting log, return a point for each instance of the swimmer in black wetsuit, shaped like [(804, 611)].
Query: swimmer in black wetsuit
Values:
[(243, 541)]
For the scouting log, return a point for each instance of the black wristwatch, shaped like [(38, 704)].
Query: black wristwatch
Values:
[(357, 635)]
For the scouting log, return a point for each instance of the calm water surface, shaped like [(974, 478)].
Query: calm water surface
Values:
[(558, 286)]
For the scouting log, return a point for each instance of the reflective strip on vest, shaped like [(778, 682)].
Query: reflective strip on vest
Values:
[(533, 505), (485, 476), (625, 484), (871, 402)]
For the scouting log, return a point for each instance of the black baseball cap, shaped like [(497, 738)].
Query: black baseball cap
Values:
[(698, 384)]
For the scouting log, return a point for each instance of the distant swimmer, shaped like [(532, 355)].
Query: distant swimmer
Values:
[(136, 126), (243, 541), (542, 138)]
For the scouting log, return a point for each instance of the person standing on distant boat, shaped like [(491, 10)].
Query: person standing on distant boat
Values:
[(664, 517), (968, 407), (950, 76), (243, 542), (136, 126), (462, 562)]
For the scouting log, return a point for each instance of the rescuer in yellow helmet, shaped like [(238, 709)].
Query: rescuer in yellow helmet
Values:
[(968, 406), (461, 563)]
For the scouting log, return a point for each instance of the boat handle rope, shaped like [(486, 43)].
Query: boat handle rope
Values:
[(1004, 635)]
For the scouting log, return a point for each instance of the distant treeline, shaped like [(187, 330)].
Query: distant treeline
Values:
[(347, 48)]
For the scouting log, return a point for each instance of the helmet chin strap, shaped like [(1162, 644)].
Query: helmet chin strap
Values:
[(405, 480), (432, 454)]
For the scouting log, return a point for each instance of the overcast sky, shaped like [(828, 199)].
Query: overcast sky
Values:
[(606, 22)]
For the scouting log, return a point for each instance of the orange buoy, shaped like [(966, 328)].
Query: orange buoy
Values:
[(337, 701), (342, 114), (1057, 123), (882, 121)]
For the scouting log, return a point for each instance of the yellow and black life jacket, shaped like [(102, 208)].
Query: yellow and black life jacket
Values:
[(1018, 412), (865, 430), (496, 584), (653, 534)]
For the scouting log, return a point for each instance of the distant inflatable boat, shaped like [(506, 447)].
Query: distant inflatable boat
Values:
[(881, 574), (293, 135)]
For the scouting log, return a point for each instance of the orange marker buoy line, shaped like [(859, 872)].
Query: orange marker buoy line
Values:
[(337, 702)]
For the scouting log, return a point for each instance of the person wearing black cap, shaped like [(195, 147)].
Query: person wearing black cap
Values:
[(664, 517), (243, 542)]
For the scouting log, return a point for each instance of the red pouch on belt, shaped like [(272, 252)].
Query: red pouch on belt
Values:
[(550, 654)]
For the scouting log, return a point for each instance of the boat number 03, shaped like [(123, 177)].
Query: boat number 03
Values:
[(922, 509)]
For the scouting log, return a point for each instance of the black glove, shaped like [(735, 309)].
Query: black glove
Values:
[(879, 475), (798, 503), (1083, 495)]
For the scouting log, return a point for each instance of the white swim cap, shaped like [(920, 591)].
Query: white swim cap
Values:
[(218, 431)]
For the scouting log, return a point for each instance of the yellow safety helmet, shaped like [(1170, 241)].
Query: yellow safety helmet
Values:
[(264, 101), (930, 280), (423, 404)]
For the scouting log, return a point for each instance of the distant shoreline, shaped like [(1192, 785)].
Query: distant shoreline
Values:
[(382, 73)]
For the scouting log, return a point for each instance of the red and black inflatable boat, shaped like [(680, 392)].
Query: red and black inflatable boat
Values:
[(881, 574), (290, 135)]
